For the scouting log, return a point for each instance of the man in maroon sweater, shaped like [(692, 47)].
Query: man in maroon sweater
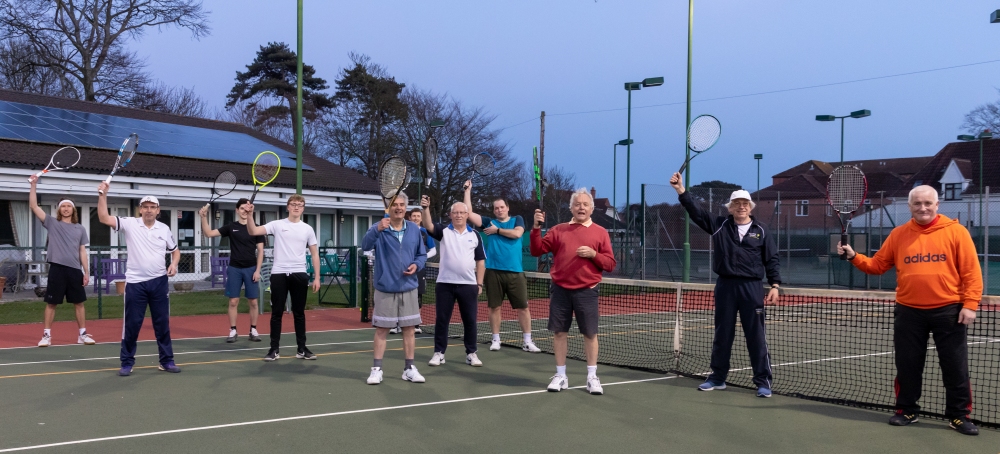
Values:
[(581, 251)]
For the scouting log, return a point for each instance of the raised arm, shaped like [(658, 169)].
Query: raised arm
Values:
[(205, 228), (102, 206), (475, 219), (425, 205), (252, 227), (699, 216), (33, 201), (540, 245)]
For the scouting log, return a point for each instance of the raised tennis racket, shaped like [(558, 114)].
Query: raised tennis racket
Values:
[(703, 133), (846, 191), (224, 184), (483, 165), (265, 170), (430, 160), (393, 176), (63, 159), (125, 154)]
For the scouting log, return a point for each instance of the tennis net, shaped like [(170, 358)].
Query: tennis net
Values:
[(825, 345)]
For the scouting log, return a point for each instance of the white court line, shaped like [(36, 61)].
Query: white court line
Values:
[(190, 353), (187, 338), (296, 418)]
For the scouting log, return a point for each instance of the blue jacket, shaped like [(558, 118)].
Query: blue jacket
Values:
[(393, 257), (755, 257)]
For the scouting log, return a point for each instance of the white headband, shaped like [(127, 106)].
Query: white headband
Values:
[(70, 202)]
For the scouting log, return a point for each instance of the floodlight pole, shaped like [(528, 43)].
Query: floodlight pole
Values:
[(757, 157), (686, 276), (298, 106)]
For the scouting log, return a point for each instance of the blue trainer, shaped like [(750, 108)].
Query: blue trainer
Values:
[(763, 392), (125, 371), (170, 367), (710, 385)]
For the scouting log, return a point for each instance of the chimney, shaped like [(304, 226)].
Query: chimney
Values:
[(593, 192)]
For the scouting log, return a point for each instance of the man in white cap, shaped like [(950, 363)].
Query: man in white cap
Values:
[(146, 274), (745, 253)]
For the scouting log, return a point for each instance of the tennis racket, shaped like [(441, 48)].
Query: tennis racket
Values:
[(265, 170), (430, 160), (393, 176), (538, 180), (63, 159), (703, 133), (125, 154), (846, 191), (224, 184), (483, 165)]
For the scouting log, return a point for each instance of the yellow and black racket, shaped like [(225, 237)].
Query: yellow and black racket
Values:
[(265, 170)]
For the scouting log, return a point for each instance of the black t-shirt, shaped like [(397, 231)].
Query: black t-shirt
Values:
[(242, 245)]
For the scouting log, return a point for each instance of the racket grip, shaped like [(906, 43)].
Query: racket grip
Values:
[(253, 196), (106, 180), (39, 174), (843, 242), (684, 166)]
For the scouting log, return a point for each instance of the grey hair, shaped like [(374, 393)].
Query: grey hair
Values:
[(919, 189), (457, 204), (752, 204), (579, 192), (402, 195)]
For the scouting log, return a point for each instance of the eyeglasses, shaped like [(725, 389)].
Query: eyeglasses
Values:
[(296, 205)]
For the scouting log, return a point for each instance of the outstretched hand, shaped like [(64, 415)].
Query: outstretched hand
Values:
[(677, 182)]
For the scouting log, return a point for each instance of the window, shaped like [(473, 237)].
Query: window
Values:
[(952, 191), (802, 208)]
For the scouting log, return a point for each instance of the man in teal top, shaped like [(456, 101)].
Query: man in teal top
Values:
[(504, 271)]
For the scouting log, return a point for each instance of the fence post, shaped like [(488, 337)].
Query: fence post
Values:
[(986, 246), (97, 282), (364, 290), (352, 269)]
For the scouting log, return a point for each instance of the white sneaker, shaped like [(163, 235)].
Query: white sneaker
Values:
[(85, 339), (437, 359), (417, 330), (473, 360), (494, 345), (594, 385), (558, 383), (530, 346), (46, 341), (394, 330), (412, 375), (376, 376)]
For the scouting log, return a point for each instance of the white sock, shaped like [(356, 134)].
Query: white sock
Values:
[(82, 331), (47, 332), (527, 337), (253, 331), (591, 371), (561, 370), (496, 338), (232, 332)]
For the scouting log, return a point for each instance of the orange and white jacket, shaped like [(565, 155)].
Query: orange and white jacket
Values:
[(936, 265)]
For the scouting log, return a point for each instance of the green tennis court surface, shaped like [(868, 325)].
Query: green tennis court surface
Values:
[(228, 400)]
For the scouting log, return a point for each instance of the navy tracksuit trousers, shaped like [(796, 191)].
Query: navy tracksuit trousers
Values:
[(444, 306), (911, 330), (744, 296), (138, 296)]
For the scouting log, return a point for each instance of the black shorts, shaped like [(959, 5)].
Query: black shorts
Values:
[(65, 283), (563, 303)]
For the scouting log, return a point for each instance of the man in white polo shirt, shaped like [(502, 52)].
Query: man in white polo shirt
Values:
[(292, 238), (146, 273), (460, 278)]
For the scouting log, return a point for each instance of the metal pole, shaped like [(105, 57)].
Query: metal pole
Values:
[(981, 240), (986, 248), (881, 233), (614, 197), (298, 106), (642, 237), (628, 179), (687, 152), (841, 140)]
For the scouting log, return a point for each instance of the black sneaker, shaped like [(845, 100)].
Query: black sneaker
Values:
[(963, 426), (272, 355), (305, 354), (903, 419)]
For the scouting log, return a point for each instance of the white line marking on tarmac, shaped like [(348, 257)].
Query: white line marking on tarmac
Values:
[(185, 338), (296, 418)]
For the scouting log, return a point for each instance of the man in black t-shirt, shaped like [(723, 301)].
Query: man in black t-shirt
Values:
[(245, 258)]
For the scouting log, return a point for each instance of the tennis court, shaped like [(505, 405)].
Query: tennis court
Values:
[(68, 399)]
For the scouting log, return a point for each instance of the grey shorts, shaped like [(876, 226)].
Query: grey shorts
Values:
[(565, 303), (396, 309)]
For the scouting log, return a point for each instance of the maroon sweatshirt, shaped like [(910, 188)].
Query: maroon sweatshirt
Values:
[(569, 270)]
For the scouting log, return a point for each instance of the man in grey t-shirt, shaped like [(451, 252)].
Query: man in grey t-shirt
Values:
[(68, 264)]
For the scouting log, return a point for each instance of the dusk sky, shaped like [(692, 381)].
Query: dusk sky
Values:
[(571, 58)]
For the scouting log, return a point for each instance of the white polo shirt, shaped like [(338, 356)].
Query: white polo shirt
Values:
[(146, 249), (291, 242), (460, 250)]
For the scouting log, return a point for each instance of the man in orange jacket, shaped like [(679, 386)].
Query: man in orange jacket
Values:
[(939, 285)]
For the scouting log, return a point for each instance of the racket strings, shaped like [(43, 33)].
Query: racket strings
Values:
[(392, 177), (130, 146), (847, 189), (703, 133), (265, 169), (224, 183), (66, 157), (483, 164)]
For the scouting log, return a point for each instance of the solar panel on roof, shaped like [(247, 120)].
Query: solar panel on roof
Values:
[(69, 127)]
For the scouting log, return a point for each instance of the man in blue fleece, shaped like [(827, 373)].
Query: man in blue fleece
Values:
[(399, 254)]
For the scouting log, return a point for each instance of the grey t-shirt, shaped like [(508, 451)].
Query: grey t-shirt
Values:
[(65, 240)]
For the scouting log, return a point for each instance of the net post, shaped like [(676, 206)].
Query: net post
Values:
[(986, 246), (678, 325)]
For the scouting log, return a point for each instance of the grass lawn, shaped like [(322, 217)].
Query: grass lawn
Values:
[(181, 303)]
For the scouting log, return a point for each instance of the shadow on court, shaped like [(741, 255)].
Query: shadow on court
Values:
[(228, 400)]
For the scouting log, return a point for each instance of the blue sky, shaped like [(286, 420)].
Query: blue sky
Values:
[(516, 58)]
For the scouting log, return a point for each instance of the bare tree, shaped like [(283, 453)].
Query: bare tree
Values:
[(175, 100), (983, 117), (84, 40), (20, 71)]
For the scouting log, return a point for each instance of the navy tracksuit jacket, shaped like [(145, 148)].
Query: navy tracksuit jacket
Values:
[(741, 266)]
